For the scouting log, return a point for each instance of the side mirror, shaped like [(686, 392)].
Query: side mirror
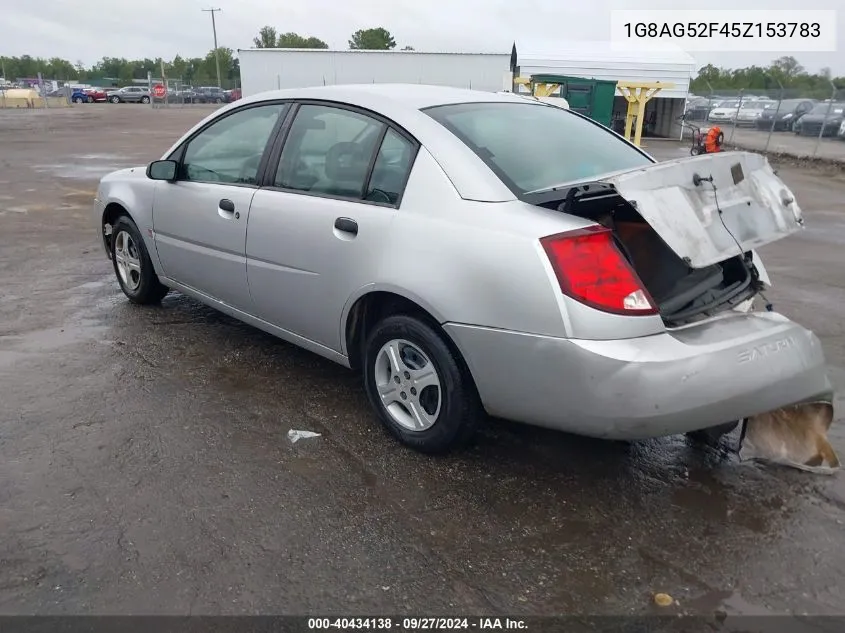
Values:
[(162, 170)]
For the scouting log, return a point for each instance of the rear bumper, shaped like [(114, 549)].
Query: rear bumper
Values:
[(651, 386)]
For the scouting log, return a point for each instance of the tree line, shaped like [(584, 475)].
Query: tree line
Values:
[(784, 72), (195, 71), (373, 39)]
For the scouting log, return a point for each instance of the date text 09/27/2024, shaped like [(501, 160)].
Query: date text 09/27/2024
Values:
[(416, 624)]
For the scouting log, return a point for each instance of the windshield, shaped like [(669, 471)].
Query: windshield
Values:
[(729, 104), (532, 146), (822, 108)]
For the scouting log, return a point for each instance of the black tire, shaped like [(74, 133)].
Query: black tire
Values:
[(218, 100), (149, 289), (115, 99), (694, 150), (77, 100), (90, 99), (145, 99), (460, 407), (720, 140), (711, 435)]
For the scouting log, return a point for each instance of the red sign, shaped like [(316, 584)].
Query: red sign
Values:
[(159, 91)]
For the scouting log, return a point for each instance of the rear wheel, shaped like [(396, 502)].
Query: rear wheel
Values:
[(695, 150), (90, 99), (145, 99), (711, 435), (133, 266), (420, 388)]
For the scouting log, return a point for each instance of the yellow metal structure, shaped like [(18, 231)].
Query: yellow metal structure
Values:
[(535, 88), (638, 94)]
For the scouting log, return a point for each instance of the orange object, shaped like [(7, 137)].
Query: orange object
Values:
[(711, 141)]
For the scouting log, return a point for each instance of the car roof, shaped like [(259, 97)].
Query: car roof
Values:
[(413, 96)]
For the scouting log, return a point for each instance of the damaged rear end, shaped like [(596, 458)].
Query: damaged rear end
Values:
[(689, 228), (678, 240)]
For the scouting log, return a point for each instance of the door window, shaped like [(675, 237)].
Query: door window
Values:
[(328, 151), (230, 150), (391, 168)]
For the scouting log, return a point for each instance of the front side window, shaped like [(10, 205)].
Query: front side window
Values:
[(328, 151), (230, 150), (533, 146)]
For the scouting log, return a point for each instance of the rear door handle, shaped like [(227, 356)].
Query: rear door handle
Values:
[(347, 225), (227, 205)]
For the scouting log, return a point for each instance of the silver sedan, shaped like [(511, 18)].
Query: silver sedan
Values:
[(473, 252)]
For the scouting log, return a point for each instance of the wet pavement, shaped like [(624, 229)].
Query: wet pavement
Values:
[(145, 465)]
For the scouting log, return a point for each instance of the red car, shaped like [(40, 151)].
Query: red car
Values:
[(89, 95)]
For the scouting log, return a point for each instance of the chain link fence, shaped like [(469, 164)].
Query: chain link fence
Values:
[(178, 93), (783, 121)]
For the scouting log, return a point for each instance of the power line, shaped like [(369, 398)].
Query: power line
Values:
[(216, 54)]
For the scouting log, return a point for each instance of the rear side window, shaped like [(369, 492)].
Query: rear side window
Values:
[(391, 169), (533, 146)]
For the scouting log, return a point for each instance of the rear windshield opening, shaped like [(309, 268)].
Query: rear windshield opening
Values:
[(535, 146)]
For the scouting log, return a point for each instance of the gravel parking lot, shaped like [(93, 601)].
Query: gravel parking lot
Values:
[(145, 464)]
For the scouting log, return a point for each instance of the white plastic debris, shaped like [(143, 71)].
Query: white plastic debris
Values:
[(294, 436)]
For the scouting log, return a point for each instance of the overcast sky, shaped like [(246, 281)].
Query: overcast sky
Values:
[(87, 30)]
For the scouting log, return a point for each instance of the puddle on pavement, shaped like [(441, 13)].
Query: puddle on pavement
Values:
[(87, 166), (19, 346)]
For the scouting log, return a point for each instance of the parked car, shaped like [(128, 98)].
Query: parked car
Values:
[(210, 94), (698, 108), (784, 114), (88, 95), (130, 94), (438, 240), (725, 112), (232, 95), (750, 111), (824, 117)]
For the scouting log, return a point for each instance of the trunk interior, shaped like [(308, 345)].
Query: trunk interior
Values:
[(683, 294)]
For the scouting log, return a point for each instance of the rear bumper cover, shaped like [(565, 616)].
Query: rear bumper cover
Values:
[(669, 383)]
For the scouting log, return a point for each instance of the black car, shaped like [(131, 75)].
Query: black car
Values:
[(210, 94), (824, 117), (784, 114)]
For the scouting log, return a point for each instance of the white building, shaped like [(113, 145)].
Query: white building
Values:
[(273, 68)]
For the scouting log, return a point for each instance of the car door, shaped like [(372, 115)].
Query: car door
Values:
[(200, 219), (316, 231)]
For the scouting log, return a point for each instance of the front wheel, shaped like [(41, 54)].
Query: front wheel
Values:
[(695, 150), (77, 100), (115, 99), (133, 266), (90, 99), (420, 388)]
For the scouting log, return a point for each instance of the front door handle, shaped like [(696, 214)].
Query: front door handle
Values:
[(227, 205), (347, 225)]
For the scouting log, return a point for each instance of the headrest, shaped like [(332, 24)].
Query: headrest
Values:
[(346, 162)]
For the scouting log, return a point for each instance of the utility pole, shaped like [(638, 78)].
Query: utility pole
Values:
[(212, 11)]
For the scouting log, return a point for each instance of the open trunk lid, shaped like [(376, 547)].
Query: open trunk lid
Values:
[(683, 205)]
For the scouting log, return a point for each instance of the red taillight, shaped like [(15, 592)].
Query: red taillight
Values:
[(591, 270)]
